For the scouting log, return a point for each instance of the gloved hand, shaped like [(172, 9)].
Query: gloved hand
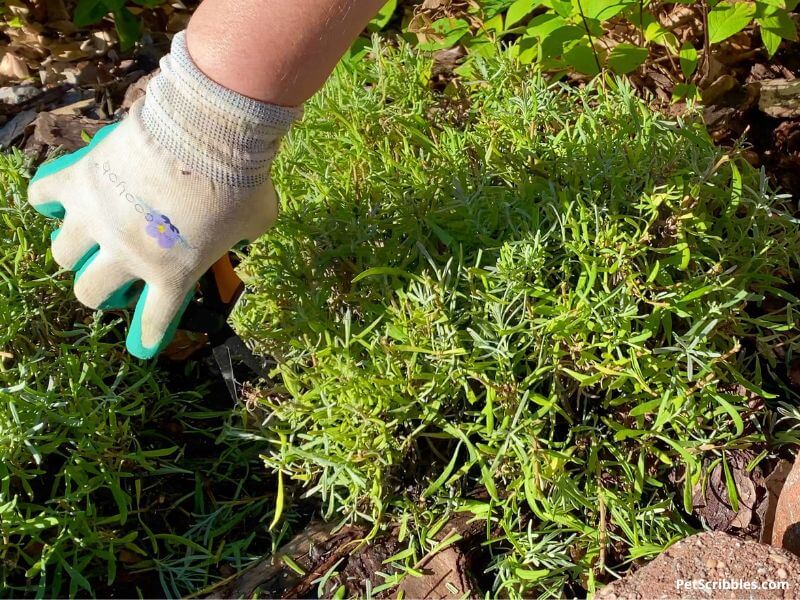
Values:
[(160, 196)]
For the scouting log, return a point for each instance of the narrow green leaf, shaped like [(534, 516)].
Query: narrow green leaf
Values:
[(442, 479), (730, 409), (292, 564), (278, 503), (402, 555), (736, 185), (733, 493), (375, 271), (530, 574), (76, 578)]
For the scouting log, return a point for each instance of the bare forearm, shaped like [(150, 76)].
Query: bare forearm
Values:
[(277, 51)]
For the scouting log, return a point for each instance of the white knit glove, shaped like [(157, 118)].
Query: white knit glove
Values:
[(163, 194)]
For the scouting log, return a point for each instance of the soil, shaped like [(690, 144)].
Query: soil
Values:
[(711, 559)]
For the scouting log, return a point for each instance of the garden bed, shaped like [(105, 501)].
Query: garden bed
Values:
[(527, 326), (545, 307)]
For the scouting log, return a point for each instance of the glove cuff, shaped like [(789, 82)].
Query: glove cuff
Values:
[(214, 131)]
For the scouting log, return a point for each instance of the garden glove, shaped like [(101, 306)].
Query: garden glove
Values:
[(161, 195)]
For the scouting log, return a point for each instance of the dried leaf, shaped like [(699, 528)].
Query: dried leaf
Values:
[(70, 51), (677, 16), (76, 108), (721, 86), (65, 131), (57, 12), (781, 99), (137, 90), (178, 22), (15, 127), (715, 506), (13, 67), (16, 94)]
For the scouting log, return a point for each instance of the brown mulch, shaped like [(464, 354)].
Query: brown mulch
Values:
[(297, 568), (80, 76)]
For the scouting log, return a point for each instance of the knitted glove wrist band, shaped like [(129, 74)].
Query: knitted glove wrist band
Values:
[(216, 132)]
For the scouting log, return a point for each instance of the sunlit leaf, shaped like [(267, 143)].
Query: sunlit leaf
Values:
[(446, 32), (688, 59), (625, 58), (603, 10), (518, 11), (729, 18), (561, 7), (775, 25), (658, 34), (582, 58), (384, 15)]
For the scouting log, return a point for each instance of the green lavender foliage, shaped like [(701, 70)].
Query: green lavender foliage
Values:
[(545, 306), (112, 480)]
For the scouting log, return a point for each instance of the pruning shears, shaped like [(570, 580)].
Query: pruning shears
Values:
[(205, 323)]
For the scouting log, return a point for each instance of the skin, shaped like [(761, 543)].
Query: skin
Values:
[(276, 51)]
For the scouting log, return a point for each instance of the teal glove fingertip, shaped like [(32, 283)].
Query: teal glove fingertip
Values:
[(134, 342)]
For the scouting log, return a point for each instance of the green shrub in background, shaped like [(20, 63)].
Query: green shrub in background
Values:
[(128, 25), (568, 35), (535, 304), (111, 483), (557, 35)]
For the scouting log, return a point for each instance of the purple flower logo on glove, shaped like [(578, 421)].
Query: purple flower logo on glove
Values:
[(161, 228)]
